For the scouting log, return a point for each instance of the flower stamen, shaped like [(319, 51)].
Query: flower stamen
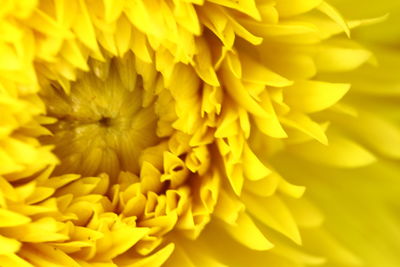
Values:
[(102, 126)]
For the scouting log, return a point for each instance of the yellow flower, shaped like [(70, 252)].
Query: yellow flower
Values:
[(138, 133)]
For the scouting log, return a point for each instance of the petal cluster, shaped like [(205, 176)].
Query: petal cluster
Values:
[(130, 126)]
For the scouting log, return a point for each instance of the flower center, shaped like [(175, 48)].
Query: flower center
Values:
[(103, 123)]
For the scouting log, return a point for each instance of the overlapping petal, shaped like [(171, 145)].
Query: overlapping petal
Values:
[(137, 130)]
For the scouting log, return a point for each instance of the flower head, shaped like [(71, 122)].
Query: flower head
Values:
[(134, 131)]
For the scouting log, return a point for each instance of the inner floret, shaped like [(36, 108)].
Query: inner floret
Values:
[(104, 122)]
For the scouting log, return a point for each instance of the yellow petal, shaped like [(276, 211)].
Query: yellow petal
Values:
[(255, 72), (380, 134), (273, 213), (313, 96), (264, 187), (119, 240), (8, 245), (156, 259), (44, 255), (42, 230), (246, 232), (304, 124), (14, 260), (83, 27), (341, 56), (238, 92), (331, 12), (228, 207), (341, 152), (288, 8), (254, 169), (9, 218), (248, 7)]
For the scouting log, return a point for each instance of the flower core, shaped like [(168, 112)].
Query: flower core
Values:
[(103, 123)]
